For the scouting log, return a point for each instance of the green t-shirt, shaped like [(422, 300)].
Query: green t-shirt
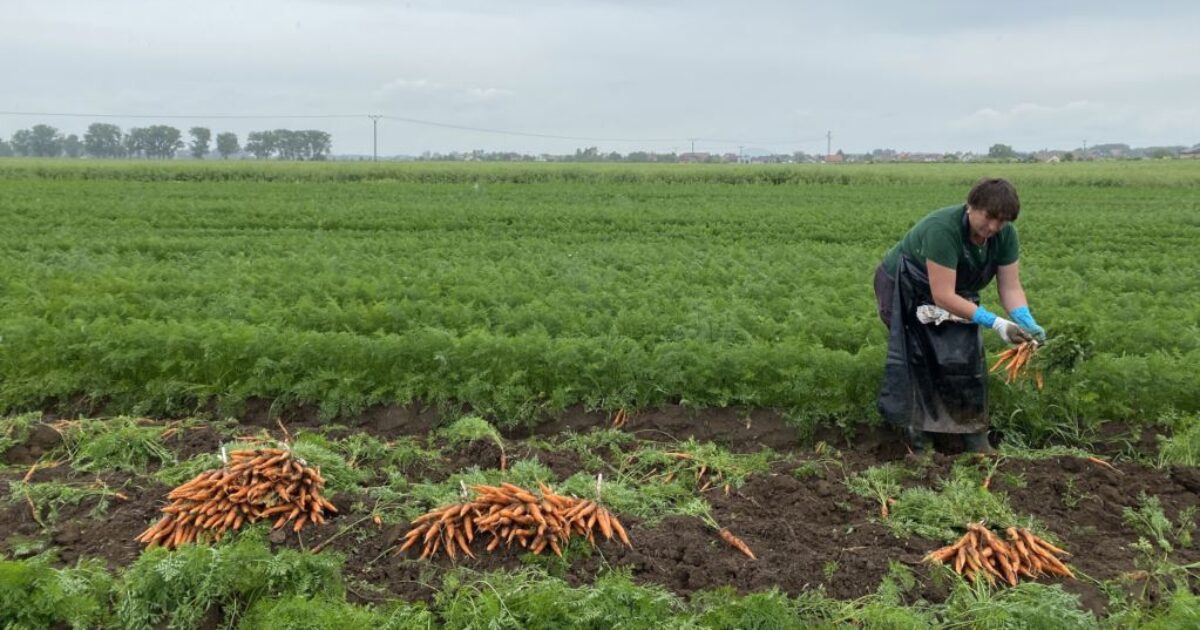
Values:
[(939, 237)]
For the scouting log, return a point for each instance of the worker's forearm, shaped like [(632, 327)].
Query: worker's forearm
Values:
[(1013, 299), (956, 304)]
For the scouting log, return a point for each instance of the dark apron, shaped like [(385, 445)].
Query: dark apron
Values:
[(935, 376)]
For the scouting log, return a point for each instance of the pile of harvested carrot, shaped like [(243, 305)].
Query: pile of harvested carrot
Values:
[(511, 514), (980, 552), (1015, 360), (255, 484)]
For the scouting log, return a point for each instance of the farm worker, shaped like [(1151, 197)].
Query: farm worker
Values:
[(927, 291)]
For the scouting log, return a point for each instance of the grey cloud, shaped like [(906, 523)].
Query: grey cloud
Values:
[(925, 76)]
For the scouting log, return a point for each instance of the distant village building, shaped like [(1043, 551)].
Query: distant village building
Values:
[(919, 157)]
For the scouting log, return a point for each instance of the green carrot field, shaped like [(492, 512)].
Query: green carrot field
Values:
[(522, 290), (695, 348)]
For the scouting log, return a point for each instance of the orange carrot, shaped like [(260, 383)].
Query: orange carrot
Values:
[(940, 556), (620, 530), (1101, 462), (736, 543)]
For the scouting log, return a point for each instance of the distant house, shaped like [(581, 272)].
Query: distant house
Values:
[(835, 158), (905, 156), (1191, 154), (698, 156)]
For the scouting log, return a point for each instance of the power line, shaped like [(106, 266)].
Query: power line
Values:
[(761, 142), (526, 134)]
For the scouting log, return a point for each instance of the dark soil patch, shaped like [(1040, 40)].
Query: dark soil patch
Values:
[(482, 453), (1122, 438), (865, 445), (76, 533), (382, 421), (1082, 503), (80, 536), (562, 463), (805, 535), (740, 431), (485, 455), (188, 442)]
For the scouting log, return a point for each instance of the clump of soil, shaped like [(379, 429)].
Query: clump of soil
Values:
[(42, 439)]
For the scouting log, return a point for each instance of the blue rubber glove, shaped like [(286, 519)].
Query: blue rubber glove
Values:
[(1024, 319), (983, 317), (1010, 332)]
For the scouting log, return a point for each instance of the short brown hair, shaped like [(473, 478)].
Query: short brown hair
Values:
[(997, 197)]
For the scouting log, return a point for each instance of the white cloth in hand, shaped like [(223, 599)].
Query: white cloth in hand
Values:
[(930, 314)]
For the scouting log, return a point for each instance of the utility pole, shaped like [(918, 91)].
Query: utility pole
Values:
[(1085, 149), (828, 143), (374, 136), (693, 144)]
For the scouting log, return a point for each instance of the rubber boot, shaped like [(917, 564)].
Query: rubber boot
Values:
[(920, 441), (978, 443)]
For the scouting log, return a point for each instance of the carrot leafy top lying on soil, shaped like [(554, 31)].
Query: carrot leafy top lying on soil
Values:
[(650, 501), (365, 451), (321, 453), (881, 483), (48, 498), (179, 473), (594, 446), (704, 462), (414, 498), (114, 444), (961, 498), (468, 429)]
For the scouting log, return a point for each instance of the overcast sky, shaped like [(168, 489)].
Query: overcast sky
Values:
[(769, 76)]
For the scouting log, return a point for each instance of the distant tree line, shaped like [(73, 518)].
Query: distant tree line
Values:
[(104, 140), (287, 144)]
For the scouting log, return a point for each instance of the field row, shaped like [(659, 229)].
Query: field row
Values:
[(839, 536), (522, 299)]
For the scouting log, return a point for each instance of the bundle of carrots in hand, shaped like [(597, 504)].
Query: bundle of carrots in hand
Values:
[(511, 514), (1015, 360), (980, 552), (255, 484)]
